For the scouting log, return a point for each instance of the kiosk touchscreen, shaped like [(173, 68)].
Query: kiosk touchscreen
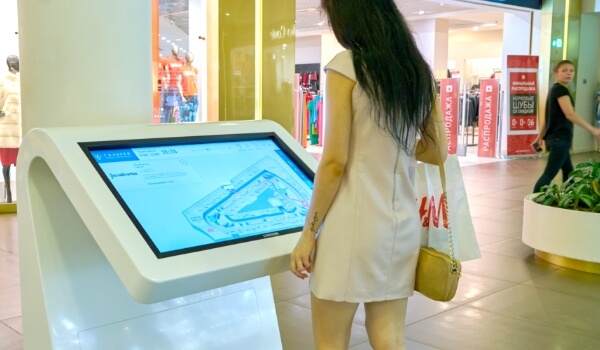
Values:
[(214, 191), (158, 236)]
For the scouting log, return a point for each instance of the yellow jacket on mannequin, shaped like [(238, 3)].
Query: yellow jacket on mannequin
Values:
[(10, 104)]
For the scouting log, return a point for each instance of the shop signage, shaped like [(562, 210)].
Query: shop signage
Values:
[(283, 32), (523, 104), (532, 4), (449, 104), (488, 117)]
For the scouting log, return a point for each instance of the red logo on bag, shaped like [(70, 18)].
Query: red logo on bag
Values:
[(429, 212)]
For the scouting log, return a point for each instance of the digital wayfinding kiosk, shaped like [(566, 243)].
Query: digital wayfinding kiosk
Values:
[(157, 236)]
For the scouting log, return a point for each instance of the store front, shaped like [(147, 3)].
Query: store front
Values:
[(471, 41), (239, 54), (9, 96)]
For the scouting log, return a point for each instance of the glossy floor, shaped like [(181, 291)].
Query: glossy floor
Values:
[(508, 299)]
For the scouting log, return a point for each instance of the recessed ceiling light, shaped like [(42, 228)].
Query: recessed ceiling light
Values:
[(421, 12)]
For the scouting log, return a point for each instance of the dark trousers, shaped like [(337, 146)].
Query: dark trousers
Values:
[(558, 159)]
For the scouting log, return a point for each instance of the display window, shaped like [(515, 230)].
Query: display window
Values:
[(10, 102), (179, 57)]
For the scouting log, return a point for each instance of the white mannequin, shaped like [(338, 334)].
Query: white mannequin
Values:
[(10, 121)]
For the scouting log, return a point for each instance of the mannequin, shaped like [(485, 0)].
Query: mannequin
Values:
[(174, 90), (10, 121), (189, 75)]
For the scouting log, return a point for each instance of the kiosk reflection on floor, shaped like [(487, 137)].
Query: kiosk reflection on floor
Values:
[(157, 236)]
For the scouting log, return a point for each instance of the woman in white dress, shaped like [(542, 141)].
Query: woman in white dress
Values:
[(360, 242)]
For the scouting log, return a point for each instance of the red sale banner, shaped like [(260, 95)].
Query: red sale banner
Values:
[(523, 104), (488, 117), (449, 104)]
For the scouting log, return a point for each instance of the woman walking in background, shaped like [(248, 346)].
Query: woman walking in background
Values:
[(361, 239)]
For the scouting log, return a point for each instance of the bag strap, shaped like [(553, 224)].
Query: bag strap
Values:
[(444, 193)]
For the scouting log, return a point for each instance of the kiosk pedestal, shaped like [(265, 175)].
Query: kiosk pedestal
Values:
[(91, 280)]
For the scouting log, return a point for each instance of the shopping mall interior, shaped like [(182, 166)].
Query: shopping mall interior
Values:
[(264, 59)]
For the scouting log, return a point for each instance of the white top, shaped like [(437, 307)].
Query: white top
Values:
[(368, 246)]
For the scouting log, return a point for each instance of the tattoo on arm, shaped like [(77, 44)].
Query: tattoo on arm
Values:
[(313, 223)]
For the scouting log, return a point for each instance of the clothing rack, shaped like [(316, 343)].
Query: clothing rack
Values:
[(308, 115)]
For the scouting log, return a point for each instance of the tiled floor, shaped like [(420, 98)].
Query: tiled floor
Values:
[(508, 299)]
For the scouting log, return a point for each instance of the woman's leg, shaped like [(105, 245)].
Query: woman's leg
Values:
[(332, 322), (7, 190), (385, 324), (559, 152)]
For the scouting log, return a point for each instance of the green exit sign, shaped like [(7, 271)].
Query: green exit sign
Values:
[(557, 43)]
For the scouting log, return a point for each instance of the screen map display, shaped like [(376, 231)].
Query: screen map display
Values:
[(186, 197)]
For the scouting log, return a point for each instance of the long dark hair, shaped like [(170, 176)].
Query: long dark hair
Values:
[(389, 66)]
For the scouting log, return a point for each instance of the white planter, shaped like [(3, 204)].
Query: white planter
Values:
[(566, 233)]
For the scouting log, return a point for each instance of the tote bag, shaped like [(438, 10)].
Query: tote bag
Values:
[(434, 222)]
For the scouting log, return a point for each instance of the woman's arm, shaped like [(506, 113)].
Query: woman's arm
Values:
[(428, 151), (338, 118), (565, 104)]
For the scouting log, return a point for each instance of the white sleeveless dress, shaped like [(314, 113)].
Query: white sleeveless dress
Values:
[(368, 245)]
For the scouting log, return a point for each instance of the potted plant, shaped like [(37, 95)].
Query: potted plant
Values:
[(580, 192), (562, 223)]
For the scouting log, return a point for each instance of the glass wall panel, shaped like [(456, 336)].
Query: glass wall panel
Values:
[(10, 114), (279, 60), (180, 61), (237, 44)]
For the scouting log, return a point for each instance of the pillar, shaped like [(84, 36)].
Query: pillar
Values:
[(85, 62), (431, 36), (519, 38), (257, 60)]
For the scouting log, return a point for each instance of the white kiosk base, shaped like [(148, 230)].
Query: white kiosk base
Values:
[(73, 294)]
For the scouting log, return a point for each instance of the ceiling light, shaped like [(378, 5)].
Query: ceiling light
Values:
[(476, 28), (321, 23), (421, 12), (489, 25)]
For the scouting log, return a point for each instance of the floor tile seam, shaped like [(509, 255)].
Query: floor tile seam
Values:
[(500, 222), (481, 216), (513, 284), (500, 241), (495, 278), (556, 290), (292, 304), (294, 297), (11, 328), (501, 254), (455, 306), (535, 323), (407, 337), (514, 235), (509, 209), (505, 210)]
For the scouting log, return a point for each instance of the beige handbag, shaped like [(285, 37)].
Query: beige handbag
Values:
[(438, 273)]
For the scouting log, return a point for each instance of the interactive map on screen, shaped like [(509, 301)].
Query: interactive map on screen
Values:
[(193, 196)]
